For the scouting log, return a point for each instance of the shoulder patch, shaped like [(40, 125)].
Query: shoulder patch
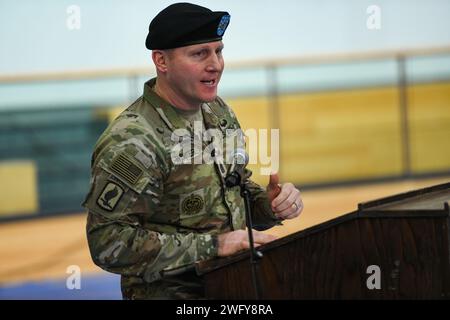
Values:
[(125, 168), (110, 196), (144, 159)]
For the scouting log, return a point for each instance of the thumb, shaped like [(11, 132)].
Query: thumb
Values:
[(273, 188), (274, 180)]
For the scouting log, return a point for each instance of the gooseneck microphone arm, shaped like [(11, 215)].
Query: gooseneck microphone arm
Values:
[(237, 178)]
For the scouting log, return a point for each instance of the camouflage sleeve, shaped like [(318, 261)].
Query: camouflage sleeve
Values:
[(126, 188), (123, 246)]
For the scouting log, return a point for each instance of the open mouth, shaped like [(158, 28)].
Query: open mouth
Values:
[(210, 83)]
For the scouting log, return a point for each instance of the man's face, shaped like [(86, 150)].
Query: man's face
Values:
[(193, 73)]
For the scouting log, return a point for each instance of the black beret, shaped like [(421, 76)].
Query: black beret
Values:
[(183, 24)]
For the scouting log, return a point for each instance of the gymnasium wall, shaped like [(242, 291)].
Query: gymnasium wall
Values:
[(352, 103), (340, 120)]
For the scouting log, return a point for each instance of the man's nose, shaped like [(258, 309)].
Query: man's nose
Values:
[(214, 63)]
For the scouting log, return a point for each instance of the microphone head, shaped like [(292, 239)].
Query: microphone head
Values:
[(240, 157)]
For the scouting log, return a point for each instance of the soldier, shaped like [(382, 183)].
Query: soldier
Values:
[(151, 218)]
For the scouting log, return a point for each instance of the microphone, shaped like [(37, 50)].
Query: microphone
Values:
[(239, 159)]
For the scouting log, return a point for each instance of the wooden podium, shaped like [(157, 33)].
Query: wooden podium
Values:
[(392, 248)]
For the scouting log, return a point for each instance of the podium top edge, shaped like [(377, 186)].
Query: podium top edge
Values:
[(363, 206)]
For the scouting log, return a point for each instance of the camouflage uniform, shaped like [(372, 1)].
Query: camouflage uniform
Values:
[(149, 219)]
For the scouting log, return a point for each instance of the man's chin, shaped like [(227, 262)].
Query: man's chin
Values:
[(209, 98)]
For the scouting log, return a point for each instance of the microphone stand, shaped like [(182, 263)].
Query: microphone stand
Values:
[(232, 180)]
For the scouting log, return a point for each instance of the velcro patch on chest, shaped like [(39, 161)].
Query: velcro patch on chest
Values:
[(192, 204), (110, 196), (126, 169)]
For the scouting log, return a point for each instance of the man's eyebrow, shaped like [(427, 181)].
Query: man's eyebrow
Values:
[(206, 47), (198, 49)]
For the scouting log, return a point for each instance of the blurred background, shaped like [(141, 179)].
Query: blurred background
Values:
[(360, 91)]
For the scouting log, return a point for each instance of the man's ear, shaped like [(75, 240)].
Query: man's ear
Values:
[(160, 60)]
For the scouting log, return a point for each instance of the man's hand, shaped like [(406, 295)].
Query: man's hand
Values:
[(234, 241), (285, 199)]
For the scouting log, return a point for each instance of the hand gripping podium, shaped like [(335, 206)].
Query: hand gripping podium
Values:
[(391, 248)]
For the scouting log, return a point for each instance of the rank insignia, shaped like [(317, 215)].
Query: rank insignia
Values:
[(223, 24)]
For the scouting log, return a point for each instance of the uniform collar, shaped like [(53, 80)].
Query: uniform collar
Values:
[(165, 109), (169, 115)]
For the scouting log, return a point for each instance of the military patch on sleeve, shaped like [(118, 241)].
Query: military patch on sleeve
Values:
[(126, 169), (110, 196)]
